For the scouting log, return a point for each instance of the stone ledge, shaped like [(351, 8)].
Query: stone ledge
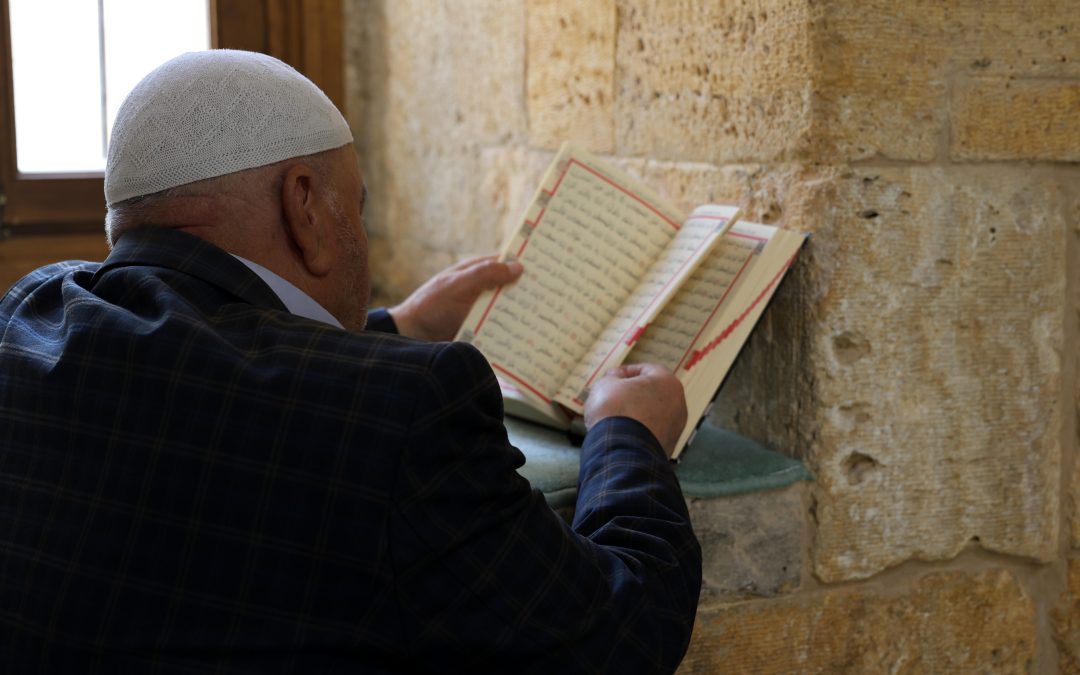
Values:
[(752, 544)]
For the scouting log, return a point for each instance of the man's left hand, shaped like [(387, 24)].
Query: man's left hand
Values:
[(435, 310)]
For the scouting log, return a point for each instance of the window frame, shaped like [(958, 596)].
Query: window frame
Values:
[(306, 34)]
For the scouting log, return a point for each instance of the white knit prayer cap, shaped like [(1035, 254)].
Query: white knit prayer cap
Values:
[(207, 114)]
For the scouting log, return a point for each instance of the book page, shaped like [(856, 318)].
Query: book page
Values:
[(694, 242), (705, 361), (669, 340), (586, 240), (519, 403), (717, 345)]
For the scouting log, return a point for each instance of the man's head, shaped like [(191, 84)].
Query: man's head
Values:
[(240, 149), (211, 113)]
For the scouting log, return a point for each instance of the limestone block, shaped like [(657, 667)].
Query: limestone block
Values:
[(1074, 269), (1074, 501), (882, 79), (1066, 622), (455, 74), (771, 79), (511, 176), (691, 184), (763, 192), (398, 267), (431, 89), (366, 76), (1037, 38), (752, 544), (941, 623), (426, 82), (466, 210), (570, 80), (1002, 119), (878, 89), (714, 82), (771, 194), (914, 355)]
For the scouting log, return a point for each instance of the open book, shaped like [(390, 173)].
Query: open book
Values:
[(615, 274)]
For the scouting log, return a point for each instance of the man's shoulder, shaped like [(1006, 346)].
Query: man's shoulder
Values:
[(287, 346), (41, 279), (50, 273)]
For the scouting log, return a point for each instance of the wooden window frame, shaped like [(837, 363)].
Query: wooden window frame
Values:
[(306, 34)]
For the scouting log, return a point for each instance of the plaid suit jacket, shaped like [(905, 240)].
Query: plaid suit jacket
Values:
[(194, 480)]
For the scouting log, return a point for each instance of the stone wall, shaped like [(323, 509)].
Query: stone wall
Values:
[(922, 356)]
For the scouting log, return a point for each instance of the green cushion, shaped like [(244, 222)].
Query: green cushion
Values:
[(551, 461), (717, 463), (720, 463)]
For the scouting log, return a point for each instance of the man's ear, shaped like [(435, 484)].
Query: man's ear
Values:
[(305, 223)]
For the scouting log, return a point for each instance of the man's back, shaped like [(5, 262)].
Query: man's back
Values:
[(190, 476)]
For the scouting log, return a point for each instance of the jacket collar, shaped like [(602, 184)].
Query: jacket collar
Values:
[(172, 249)]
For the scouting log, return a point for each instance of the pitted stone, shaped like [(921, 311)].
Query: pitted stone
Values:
[(927, 376), (752, 544), (942, 623), (570, 80)]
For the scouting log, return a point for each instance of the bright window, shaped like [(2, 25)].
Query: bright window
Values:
[(74, 61)]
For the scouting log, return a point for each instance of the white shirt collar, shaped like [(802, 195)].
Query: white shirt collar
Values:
[(294, 299)]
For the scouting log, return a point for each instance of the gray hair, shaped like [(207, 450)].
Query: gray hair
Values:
[(129, 213)]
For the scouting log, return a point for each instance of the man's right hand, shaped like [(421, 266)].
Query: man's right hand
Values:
[(646, 392), (435, 310)]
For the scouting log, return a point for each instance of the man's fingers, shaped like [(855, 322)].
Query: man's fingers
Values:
[(485, 274), (436, 309), (514, 269), (647, 392), (462, 265), (624, 371), (627, 370)]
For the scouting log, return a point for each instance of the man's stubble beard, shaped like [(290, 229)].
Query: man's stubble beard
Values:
[(356, 290)]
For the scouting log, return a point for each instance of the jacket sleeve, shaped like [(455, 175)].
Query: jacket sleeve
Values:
[(492, 580), (379, 320)]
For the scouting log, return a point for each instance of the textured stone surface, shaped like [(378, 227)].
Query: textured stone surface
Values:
[(942, 623), (570, 80), (926, 320), (878, 88), (766, 194), (1066, 622), (467, 221), (760, 80), (456, 76), (884, 69), (431, 90), (1003, 118), (1074, 501), (1073, 338), (752, 544), (716, 82)]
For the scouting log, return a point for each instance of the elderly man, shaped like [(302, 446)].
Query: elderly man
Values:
[(208, 465)]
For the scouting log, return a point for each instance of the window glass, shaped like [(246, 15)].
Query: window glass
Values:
[(74, 61)]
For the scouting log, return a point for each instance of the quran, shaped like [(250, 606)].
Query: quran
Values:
[(615, 274)]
